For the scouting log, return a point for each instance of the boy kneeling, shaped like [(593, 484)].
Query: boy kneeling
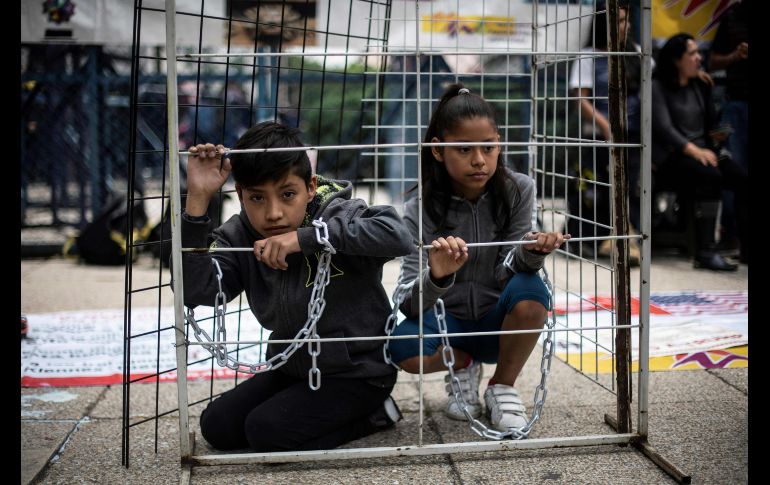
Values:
[(280, 197)]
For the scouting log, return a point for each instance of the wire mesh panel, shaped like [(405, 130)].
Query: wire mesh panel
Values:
[(360, 79), (218, 99), (575, 173)]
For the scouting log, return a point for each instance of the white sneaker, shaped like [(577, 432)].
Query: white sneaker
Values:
[(469, 378), (504, 407)]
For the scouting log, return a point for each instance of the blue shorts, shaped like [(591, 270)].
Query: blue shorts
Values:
[(484, 348)]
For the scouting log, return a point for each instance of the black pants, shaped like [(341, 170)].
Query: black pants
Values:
[(276, 412), (698, 182)]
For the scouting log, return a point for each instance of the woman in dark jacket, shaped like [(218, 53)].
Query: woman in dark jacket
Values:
[(684, 148)]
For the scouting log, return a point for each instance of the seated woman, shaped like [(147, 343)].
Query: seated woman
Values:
[(684, 147)]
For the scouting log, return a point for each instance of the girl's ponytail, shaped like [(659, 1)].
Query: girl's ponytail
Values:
[(456, 104)]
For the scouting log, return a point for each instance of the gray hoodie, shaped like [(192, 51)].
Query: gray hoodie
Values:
[(476, 287), (356, 302)]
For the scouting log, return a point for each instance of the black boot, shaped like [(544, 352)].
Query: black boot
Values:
[(707, 256)]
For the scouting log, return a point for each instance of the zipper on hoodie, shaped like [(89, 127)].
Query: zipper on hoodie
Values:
[(474, 213), (285, 314)]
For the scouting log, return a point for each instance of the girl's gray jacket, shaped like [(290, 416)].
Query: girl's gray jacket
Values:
[(357, 305), (476, 287)]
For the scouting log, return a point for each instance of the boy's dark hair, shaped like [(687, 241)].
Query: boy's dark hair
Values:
[(250, 169), (665, 65), (437, 186)]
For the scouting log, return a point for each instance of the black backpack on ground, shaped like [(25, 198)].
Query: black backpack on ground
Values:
[(103, 241)]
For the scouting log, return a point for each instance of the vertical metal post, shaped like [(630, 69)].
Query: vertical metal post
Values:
[(172, 115), (645, 197), (532, 149), (419, 203), (617, 115), (93, 134)]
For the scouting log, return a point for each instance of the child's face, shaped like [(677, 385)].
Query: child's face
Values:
[(277, 207), (469, 167)]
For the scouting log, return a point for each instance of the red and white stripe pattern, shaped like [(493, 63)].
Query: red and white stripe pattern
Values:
[(706, 302)]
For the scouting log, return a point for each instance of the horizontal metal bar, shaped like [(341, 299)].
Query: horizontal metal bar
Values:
[(407, 337), (581, 297), (574, 217), (572, 177), (557, 137), (148, 288), (438, 144), (579, 332), (569, 138), (569, 98), (446, 20), (588, 261), (446, 74), (433, 100), (410, 52), (413, 450), (370, 180), (391, 127), (470, 245)]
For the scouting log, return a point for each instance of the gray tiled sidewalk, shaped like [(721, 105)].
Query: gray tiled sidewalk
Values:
[(698, 419)]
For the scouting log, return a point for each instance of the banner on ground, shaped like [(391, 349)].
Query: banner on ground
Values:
[(86, 348), (695, 329), (688, 330)]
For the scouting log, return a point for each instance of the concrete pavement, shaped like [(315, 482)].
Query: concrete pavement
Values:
[(698, 419)]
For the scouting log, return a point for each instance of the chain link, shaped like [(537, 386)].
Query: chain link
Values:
[(390, 324), (315, 309), (540, 392), (447, 355)]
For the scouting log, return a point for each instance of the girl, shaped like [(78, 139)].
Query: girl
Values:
[(470, 196)]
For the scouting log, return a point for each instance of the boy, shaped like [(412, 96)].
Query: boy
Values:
[(280, 197)]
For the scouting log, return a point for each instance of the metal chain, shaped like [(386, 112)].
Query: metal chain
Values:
[(390, 324), (545, 368), (315, 308), (447, 356)]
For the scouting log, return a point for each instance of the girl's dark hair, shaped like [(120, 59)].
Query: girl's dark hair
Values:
[(665, 66), (437, 185), (250, 169)]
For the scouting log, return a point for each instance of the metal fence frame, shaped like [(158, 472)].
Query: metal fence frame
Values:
[(624, 436)]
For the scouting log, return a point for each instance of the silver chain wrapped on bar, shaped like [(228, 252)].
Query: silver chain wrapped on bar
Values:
[(545, 368), (315, 309), (390, 324)]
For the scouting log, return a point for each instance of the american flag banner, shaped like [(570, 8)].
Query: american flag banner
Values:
[(683, 324), (702, 302)]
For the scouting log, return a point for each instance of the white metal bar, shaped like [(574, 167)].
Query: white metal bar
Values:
[(470, 245), (432, 449), (409, 52), (419, 223), (185, 447), (645, 198), (490, 100), (406, 337), (436, 144), (459, 73)]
